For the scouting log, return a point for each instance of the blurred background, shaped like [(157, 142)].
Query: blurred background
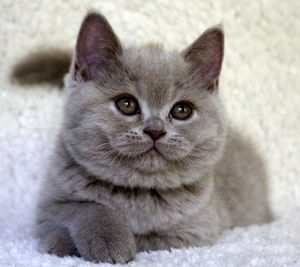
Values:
[(259, 81)]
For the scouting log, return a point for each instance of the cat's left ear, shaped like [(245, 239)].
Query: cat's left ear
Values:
[(205, 56)]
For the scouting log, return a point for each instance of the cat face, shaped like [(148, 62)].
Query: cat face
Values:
[(142, 109)]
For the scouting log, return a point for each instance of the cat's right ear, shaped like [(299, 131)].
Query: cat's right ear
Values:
[(97, 48)]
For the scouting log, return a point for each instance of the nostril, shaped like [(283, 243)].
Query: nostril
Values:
[(154, 134)]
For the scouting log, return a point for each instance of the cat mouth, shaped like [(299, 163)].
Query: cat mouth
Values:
[(154, 151)]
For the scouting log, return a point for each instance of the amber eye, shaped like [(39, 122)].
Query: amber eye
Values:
[(181, 111), (127, 105)]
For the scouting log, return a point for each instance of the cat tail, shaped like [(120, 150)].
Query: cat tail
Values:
[(42, 67)]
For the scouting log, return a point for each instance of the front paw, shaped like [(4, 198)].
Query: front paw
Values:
[(98, 244), (58, 242)]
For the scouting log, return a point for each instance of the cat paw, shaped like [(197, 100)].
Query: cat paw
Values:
[(107, 247), (59, 243)]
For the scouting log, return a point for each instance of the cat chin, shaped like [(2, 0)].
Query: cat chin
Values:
[(154, 161), (150, 161)]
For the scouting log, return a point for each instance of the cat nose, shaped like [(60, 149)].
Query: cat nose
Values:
[(154, 134)]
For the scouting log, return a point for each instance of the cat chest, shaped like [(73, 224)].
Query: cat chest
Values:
[(152, 211)]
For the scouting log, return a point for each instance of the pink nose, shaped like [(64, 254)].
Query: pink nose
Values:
[(154, 134)]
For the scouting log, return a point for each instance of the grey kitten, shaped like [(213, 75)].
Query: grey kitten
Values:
[(144, 159)]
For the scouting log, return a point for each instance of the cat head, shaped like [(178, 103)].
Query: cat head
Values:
[(142, 112)]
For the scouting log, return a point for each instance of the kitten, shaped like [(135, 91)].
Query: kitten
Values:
[(144, 159)]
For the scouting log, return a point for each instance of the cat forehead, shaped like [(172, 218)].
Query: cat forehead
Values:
[(159, 74)]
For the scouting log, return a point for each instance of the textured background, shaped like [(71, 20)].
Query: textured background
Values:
[(260, 85)]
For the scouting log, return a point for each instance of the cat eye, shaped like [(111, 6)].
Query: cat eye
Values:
[(127, 105), (181, 111)]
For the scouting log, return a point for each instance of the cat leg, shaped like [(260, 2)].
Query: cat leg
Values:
[(100, 234), (55, 239)]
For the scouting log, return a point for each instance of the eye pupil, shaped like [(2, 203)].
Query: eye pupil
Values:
[(181, 109)]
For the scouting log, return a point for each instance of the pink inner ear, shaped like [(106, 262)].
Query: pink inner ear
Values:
[(96, 46), (206, 55)]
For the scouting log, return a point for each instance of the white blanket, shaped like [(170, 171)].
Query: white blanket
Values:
[(260, 85)]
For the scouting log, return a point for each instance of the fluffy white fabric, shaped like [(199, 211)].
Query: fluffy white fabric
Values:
[(259, 83)]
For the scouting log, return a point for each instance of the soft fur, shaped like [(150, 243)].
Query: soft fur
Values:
[(107, 196)]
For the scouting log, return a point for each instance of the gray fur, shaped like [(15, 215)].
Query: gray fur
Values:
[(107, 196)]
